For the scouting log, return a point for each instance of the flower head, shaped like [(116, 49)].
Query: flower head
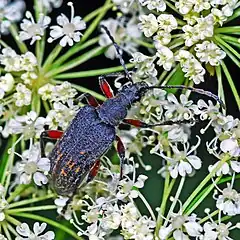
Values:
[(68, 30)]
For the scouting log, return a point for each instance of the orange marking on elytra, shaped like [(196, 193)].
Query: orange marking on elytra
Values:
[(82, 152), (77, 169), (63, 172)]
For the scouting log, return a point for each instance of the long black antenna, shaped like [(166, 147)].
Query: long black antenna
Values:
[(118, 50), (197, 90)]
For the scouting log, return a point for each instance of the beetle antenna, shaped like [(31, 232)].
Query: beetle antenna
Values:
[(197, 90), (118, 51)]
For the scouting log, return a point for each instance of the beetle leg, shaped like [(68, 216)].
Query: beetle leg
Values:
[(94, 171), (92, 101), (49, 135), (121, 153), (140, 124), (105, 87)]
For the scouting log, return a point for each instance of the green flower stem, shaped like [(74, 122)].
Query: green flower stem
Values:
[(4, 161), (176, 198), (166, 192), (75, 49), (36, 103), (14, 31), (170, 75), (40, 46), (29, 201), (175, 10), (31, 209), (5, 229), (9, 165), (231, 83), (220, 86), (91, 73), (46, 106), (204, 182), (233, 43), (162, 76), (231, 30), (228, 38), (12, 220), (147, 205), (143, 43), (12, 230), (84, 90), (3, 44), (176, 43), (222, 42), (234, 59), (50, 222), (18, 190), (93, 14), (236, 14), (201, 197), (38, 8), (207, 217), (51, 57), (95, 23), (77, 61)]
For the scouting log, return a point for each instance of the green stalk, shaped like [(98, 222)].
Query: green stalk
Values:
[(40, 46), (147, 206), (54, 53), (231, 83), (228, 38), (74, 49), (12, 230), (48, 221), (17, 191), (143, 43), (91, 73), (231, 30), (220, 86), (21, 45), (12, 220), (3, 44), (29, 201), (5, 229), (77, 61), (236, 14), (31, 209), (84, 90), (201, 198), (207, 217), (232, 50), (94, 13), (204, 182), (95, 23)]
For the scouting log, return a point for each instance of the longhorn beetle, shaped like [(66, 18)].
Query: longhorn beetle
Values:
[(78, 150)]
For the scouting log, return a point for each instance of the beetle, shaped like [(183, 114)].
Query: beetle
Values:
[(77, 153)]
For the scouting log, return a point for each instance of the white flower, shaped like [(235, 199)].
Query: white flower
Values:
[(28, 61), (63, 92), (167, 22), (231, 146), (61, 115), (209, 52), (205, 27), (10, 11), (46, 91), (228, 201), (26, 234), (23, 96), (3, 205), (29, 125), (166, 58), (128, 188), (183, 162), (29, 78), (218, 16), (2, 237), (68, 30), (148, 24), (32, 30), (6, 82), (32, 166), (159, 5), (60, 202), (48, 4), (10, 59), (184, 6), (162, 38)]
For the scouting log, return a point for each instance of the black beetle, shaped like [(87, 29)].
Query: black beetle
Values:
[(93, 130)]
